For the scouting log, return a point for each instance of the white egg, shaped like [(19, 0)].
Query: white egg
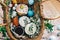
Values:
[(2, 1), (14, 14), (52, 38), (15, 5), (14, 8)]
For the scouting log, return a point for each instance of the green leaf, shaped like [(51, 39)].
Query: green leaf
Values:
[(49, 26)]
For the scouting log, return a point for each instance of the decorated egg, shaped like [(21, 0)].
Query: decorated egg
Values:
[(22, 9), (31, 2), (19, 30), (30, 29), (30, 13), (15, 21), (24, 20)]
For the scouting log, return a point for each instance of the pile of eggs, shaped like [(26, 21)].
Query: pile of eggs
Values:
[(24, 21)]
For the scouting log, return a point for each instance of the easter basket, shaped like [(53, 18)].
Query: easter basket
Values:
[(23, 19), (27, 26)]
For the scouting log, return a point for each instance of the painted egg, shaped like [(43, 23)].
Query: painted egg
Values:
[(22, 9), (30, 13), (30, 29), (15, 21), (31, 2), (19, 31), (24, 20)]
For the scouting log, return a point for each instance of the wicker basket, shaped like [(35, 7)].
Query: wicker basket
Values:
[(7, 23)]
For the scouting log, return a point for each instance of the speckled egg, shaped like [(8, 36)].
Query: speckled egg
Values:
[(31, 2), (30, 13)]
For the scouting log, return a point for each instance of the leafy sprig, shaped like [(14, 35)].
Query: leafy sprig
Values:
[(48, 25)]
